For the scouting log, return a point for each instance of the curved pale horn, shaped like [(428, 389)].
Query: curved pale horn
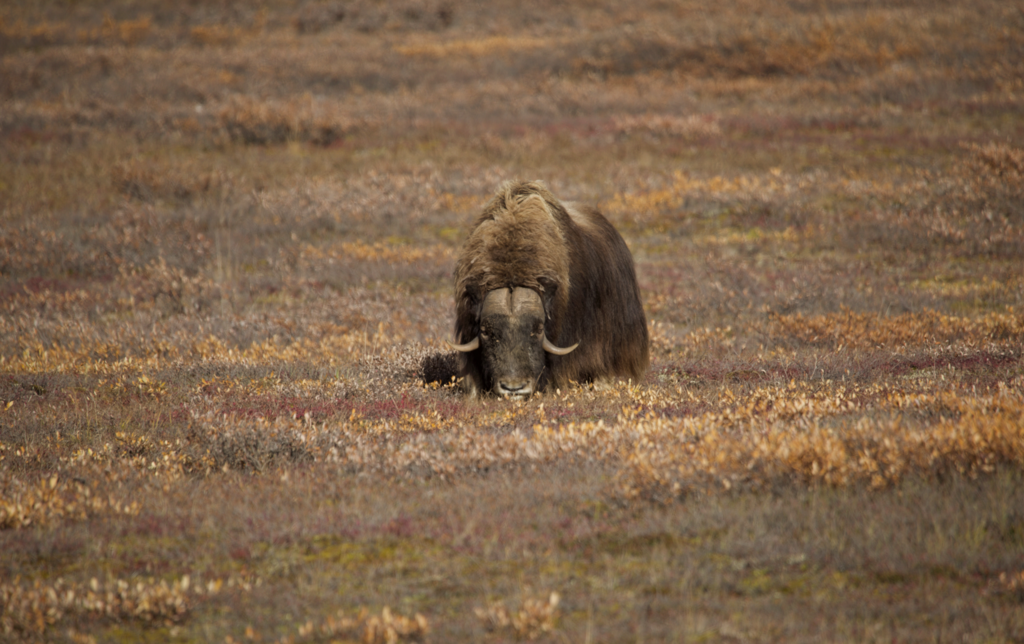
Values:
[(558, 351), (472, 345)]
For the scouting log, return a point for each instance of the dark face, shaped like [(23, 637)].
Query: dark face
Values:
[(512, 340)]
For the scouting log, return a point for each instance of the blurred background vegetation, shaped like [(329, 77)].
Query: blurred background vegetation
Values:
[(227, 232)]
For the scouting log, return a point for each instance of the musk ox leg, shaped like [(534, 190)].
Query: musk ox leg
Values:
[(469, 388)]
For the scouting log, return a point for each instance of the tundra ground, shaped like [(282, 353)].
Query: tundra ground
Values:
[(227, 234)]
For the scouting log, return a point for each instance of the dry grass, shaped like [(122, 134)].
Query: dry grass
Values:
[(226, 243)]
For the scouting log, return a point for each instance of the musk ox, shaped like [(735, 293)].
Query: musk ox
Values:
[(545, 294)]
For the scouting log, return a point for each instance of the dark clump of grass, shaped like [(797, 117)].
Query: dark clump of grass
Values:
[(440, 367)]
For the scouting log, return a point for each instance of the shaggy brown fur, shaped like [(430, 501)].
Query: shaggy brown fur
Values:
[(581, 268)]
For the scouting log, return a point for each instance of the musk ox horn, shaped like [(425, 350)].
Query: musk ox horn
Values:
[(558, 351), (472, 345)]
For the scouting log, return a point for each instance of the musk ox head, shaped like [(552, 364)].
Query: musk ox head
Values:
[(512, 341)]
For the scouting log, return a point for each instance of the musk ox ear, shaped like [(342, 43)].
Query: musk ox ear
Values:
[(471, 301), (547, 295)]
